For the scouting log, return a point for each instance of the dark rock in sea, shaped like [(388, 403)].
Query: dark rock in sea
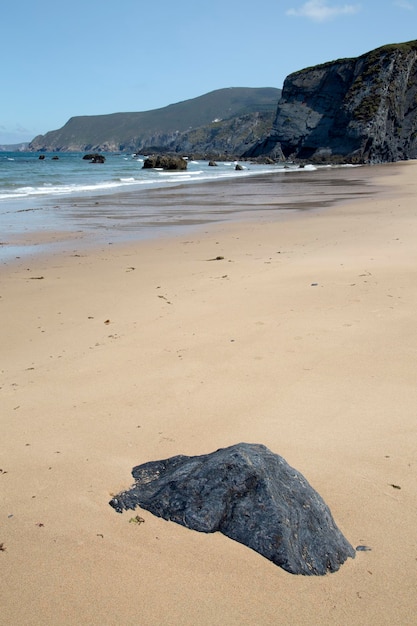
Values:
[(165, 162), (212, 164), (238, 167), (41, 157), (249, 494), (94, 158)]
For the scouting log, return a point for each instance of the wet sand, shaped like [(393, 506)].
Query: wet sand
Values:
[(299, 336), (43, 226)]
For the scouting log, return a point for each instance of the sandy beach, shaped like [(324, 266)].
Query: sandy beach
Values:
[(295, 331)]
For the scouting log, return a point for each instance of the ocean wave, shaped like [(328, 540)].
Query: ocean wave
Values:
[(176, 177), (184, 174), (163, 172), (49, 189), (160, 178)]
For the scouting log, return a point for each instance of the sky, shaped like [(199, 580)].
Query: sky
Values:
[(63, 58)]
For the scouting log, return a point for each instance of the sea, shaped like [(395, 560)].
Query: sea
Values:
[(119, 200)]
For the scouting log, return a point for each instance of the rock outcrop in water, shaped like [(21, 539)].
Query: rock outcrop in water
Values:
[(249, 494), (360, 110), (165, 162), (94, 158)]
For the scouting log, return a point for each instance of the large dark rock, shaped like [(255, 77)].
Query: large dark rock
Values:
[(165, 162), (249, 494), (359, 110)]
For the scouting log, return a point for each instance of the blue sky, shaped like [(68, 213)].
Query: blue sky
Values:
[(62, 58)]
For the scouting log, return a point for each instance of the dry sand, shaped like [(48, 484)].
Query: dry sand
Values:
[(303, 338)]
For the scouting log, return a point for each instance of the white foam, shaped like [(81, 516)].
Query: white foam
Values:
[(184, 174), (174, 177)]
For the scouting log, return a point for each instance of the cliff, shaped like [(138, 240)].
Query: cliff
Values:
[(360, 110), (224, 137), (205, 121)]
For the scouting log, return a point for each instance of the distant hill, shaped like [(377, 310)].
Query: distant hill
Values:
[(14, 147), (205, 121)]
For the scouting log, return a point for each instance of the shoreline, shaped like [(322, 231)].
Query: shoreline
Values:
[(297, 333), (126, 216)]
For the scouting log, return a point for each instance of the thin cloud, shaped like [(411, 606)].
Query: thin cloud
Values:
[(15, 134), (403, 4), (321, 11), (20, 129)]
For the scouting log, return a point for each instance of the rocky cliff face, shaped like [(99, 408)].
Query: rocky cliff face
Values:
[(223, 138), (360, 110)]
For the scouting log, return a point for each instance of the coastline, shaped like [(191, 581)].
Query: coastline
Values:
[(45, 225), (297, 333)]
